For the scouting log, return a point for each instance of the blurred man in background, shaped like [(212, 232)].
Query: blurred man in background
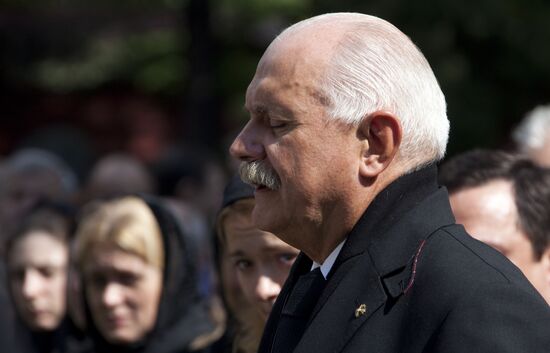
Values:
[(504, 200)]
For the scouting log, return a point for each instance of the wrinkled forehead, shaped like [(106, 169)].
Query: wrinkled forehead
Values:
[(289, 66)]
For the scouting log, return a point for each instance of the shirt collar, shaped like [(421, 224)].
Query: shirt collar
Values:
[(329, 261)]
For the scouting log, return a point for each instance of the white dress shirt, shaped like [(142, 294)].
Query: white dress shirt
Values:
[(326, 266)]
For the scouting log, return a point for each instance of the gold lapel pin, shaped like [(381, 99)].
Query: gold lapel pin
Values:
[(361, 310)]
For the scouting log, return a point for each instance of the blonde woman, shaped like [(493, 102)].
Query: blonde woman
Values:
[(139, 280)]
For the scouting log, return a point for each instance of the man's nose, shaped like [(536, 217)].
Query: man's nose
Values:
[(32, 284), (247, 145), (267, 289)]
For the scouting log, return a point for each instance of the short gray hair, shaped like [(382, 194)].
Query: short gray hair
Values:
[(533, 130), (377, 67)]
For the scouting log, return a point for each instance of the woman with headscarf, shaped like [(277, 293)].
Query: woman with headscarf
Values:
[(37, 262), (253, 265), (139, 280)]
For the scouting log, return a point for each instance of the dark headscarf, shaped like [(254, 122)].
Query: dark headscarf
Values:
[(236, 190), (182, 314), (25, 339)]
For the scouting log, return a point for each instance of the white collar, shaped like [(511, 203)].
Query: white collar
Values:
[(329, 261)]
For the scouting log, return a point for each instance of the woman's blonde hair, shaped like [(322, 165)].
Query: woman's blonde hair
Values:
[(126, 223), (242, 207)]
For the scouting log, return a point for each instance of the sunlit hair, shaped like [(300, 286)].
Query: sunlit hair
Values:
[(127, 224), (533, 130), (242, 208), (376, 67)]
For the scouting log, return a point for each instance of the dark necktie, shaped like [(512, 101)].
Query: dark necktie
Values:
[(297, 311)]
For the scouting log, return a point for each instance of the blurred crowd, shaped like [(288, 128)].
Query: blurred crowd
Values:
[(166, 259), (128, 260)]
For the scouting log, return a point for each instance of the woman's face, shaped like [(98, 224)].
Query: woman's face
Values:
[(38, 278), (123, 292), (261, 260)]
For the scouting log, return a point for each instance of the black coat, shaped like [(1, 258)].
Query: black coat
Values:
[(426, 285), (7, 315), (66, 338), (183, 314)]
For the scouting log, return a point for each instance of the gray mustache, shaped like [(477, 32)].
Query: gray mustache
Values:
[(259, 173)]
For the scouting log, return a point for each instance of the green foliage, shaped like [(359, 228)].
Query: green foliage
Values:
[(264, 8), (152, 60), (491, 56)]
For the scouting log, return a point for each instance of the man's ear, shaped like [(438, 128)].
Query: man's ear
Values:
[(380, 133)]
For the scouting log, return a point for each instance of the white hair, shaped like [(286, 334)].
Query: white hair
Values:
[(533, 130), (377, 67)]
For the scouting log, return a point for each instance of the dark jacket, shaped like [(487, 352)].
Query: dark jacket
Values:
[(7, 315), (183, 315), (15, 336), (65, 338), (426, 285)]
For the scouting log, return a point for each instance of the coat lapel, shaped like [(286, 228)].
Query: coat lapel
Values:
[(336, 323)]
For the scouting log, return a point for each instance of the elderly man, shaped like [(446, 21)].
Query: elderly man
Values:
[(346, 122), (504, 200)]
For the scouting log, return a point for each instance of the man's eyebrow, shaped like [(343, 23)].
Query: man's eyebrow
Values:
[(257, 109)]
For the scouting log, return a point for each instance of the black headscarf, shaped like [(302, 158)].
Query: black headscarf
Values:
[(182, 313), (236, 190), (26, 340)]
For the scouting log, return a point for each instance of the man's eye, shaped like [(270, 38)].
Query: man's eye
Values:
[(274, 124), (278, 126)]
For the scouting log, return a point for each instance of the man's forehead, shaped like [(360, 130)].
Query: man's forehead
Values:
[(280, 90), (284, 100), (303, 51), (257, 98)]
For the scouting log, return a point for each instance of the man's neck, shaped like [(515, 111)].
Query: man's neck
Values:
[(338, 221)]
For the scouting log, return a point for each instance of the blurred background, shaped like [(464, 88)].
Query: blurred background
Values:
[(157, 77)]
